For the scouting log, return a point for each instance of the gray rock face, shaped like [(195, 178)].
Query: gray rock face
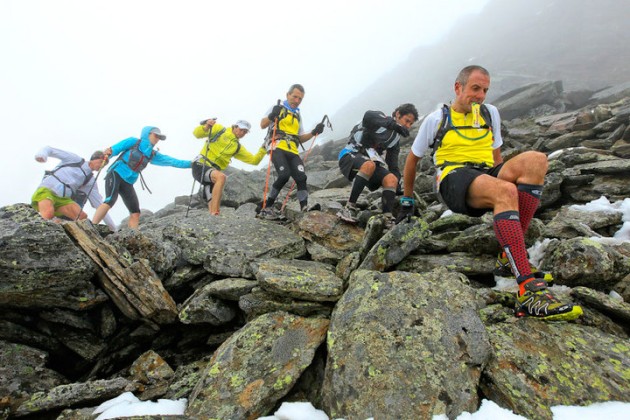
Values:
[(305, 280), (420, 332), (226, 247), (256, 366), (540, 365), (40, 266)]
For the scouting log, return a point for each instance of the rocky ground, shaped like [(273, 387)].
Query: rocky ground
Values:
[(239, 314)]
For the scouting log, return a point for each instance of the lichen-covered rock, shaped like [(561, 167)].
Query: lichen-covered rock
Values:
[(538, 365), (585, 262), (162, 256), (331, 233), (23, 372), (462, 262), (395, 245), (259, 302), (84, 393), (304, 280), (406, 346), (615, 308), (40, 266), (257, 366), (202, 308)]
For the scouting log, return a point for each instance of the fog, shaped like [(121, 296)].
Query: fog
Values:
[(82, 76)]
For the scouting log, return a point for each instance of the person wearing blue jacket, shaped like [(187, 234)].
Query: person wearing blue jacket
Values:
[(135, 155)]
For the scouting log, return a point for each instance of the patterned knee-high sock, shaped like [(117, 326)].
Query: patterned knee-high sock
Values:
[(528, 202), (507, 228)]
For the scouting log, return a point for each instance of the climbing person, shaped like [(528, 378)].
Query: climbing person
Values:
[(370, 159), (65, 189), (285, 134), (472, 178), (135, 155), (221, 145)]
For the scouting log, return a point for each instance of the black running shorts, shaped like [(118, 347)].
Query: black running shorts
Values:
[(454, 187), (350, 163)]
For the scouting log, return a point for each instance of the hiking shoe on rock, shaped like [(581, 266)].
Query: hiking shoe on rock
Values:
[(502, 268), (348, 214), (312, 207), (389, 220), (537, 301), (269, 214)]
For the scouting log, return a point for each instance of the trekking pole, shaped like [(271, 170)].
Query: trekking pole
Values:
[(273, 145), (286, 199), (91, 188), (203, 171)]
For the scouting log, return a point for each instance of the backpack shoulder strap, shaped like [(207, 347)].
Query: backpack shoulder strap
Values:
[(445, 125), (217, 135), (486, 115)]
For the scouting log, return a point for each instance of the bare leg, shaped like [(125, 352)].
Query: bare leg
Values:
[(100, 213), (218, 179), (71, 211), (134, 220), (46, 209)]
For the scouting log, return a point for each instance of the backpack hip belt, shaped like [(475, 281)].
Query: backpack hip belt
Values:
[(202, 160)]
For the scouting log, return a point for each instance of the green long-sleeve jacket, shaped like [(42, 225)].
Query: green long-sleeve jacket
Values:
[(226, 146)]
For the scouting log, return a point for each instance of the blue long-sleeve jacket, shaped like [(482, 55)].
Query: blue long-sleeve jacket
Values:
[(160, 159)]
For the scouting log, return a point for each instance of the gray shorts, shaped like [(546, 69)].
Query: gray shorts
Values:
[(454, 186)]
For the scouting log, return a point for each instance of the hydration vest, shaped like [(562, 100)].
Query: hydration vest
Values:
[(379, 139), (136, 160), (280, 134), (446, 124), (75, 195)]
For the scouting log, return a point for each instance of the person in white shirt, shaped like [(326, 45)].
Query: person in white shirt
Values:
[(65, 189)]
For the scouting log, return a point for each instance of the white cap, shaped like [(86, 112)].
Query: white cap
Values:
[(243, 124)]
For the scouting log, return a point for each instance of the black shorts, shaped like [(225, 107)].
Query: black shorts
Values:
[(454, 187), (350, 163)]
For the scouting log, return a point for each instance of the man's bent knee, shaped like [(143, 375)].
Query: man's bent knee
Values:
[(390, 181), (368, 167)]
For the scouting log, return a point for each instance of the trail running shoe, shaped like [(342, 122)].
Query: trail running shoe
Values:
[(312, 207), (269, 214), (349, 213), (537, 301), (502, 268), (389, 220)]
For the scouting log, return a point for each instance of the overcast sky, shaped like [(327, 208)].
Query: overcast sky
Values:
[(82, 75)]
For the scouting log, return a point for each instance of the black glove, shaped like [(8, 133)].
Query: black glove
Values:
[(319, 129), (275, 112), (407, 209), (393, 125)]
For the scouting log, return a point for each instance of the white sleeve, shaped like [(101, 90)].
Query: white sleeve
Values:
[(43, 153), (62, 155), (426, 133)]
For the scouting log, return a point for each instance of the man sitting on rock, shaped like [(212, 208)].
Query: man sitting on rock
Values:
[(65, 189), (371, 158), (472, 179)]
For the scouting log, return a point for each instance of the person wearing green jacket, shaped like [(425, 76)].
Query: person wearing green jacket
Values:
[(222, 144)]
